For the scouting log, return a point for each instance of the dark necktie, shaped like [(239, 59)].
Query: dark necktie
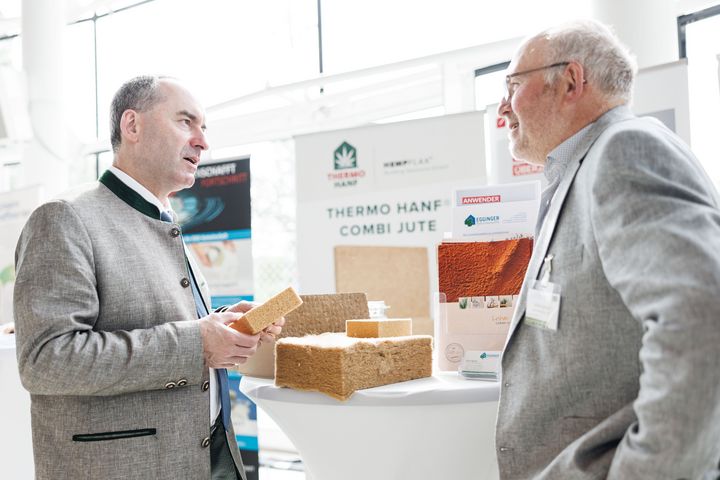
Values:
[(202, 311)]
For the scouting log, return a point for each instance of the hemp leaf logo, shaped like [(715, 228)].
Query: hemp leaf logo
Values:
[(345, 156)]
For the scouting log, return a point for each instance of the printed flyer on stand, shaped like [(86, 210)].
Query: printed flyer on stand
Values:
[(495, 212), (481, 269)]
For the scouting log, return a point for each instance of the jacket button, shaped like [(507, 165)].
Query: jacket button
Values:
[(175, 232), (205, 386), (205, 442), (185, 282), (182, 382), (170, 385)]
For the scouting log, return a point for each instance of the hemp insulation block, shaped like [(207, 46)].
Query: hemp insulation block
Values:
[(263, 315), (318, 314), (386, 327), (338, 365)]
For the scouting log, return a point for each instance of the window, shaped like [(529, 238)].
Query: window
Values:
[(703, 48), (221, 49), (363, 33)]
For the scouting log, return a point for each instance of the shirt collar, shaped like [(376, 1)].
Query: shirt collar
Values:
[(560, 156), (140, 190)]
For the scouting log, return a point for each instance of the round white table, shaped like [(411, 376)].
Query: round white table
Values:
[(441, 427)]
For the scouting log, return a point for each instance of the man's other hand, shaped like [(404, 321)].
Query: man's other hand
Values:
[(269, 333), (224, 347)]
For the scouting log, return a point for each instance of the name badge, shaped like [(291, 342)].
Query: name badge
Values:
[(543, 301)]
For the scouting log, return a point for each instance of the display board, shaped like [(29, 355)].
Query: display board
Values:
[(382, 185), (16, 460), (15, 208), (662, 92), (396, 275), (501, 166), (215, 216)]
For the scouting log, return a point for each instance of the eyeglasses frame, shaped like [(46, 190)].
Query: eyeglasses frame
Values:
[(509, 95)]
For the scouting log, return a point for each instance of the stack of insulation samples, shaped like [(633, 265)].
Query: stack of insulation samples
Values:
[(368, 354)]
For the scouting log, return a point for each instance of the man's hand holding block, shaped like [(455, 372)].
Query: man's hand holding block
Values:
[(258, 318)]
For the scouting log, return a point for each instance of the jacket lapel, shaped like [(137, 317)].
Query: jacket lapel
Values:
[(551, 218), (128, 195)]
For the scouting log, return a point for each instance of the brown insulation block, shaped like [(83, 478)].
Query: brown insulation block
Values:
[(317, 314), (337, 365), (263, 315)]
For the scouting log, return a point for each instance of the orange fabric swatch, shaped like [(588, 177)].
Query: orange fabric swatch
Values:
[(483, 268)]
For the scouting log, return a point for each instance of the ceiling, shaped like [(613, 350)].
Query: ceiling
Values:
[(11, 11)]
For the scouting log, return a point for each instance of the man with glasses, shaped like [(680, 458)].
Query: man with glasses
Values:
[(610, 369)]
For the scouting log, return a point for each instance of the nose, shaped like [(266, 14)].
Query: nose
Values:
[(504, 108), (200, 140)]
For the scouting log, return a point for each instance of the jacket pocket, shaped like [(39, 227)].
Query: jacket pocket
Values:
[(100, 437)]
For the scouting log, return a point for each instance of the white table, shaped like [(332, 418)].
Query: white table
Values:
[(440, 427)]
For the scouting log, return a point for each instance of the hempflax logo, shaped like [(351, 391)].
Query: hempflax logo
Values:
[(345, 156)]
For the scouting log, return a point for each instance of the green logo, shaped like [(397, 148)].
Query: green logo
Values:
[(7, 275), (345, 156), (470, 221), (483, 355)]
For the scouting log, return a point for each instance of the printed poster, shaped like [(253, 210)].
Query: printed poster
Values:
[(215, 216), (383, 186), (481, 269), (479, 283), (15, 208), (501, 166)]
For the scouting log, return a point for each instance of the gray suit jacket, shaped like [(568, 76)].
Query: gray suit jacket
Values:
[(114, 367), (628, 387)]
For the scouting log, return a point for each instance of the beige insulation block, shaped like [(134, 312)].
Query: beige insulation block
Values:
[(338, 365), (386, 327), (263, 315), (318, 314)]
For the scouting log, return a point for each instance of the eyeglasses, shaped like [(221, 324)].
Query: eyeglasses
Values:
[(510, 89)]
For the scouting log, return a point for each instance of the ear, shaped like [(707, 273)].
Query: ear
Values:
[(574, 81), (130, 126)]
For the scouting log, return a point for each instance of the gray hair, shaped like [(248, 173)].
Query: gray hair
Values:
[(139, 94), (608, 64)]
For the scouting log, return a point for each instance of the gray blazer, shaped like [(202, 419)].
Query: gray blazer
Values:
[(114, 369), (628, 387)]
